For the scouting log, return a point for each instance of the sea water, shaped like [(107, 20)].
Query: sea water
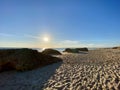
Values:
[(41, 49), (58, 49)]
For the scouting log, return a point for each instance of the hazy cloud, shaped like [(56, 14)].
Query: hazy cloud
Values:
[(6, 34), (74, 43), (70, 42), (32, 36)]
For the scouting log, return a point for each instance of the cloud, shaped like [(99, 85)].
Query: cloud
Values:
[(74, 43), (32, 36), (37, 37), (70, 42), (92, 45), (6, 34), (67, 43)]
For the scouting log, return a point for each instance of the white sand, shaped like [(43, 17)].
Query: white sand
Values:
[(97, 70), (30, 80)]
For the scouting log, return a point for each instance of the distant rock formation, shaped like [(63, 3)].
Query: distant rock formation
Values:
[(24, 59), (70, 50), (116, 48), (51, 52), (75, 50), (82, 49)]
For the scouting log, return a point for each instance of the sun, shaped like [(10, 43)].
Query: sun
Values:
[(46, 39)]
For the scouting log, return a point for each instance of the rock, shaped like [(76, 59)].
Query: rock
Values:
[(82, 49), (51, 52), (116, 48), (24, 59), (70, 50), (75, 50)]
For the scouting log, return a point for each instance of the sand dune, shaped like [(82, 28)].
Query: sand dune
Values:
[(95, 70)]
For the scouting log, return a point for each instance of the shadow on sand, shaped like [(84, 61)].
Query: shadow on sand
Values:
[(81, 52), (28, 80)]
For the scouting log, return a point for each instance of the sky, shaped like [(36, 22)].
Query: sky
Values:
[(65, 23)]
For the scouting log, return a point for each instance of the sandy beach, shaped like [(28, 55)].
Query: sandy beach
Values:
[(95, 70)]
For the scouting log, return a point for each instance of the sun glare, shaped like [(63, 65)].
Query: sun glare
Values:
[(46, 39), (43, 49)]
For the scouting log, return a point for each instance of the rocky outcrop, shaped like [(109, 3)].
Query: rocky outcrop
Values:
[(24, 59), (82, 49), (116, 48), (75, 50), (51, 52), (70, 50)]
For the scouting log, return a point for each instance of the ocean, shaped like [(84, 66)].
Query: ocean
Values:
[(41, 49)]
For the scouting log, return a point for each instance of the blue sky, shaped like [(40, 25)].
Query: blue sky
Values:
[(67, 23)]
